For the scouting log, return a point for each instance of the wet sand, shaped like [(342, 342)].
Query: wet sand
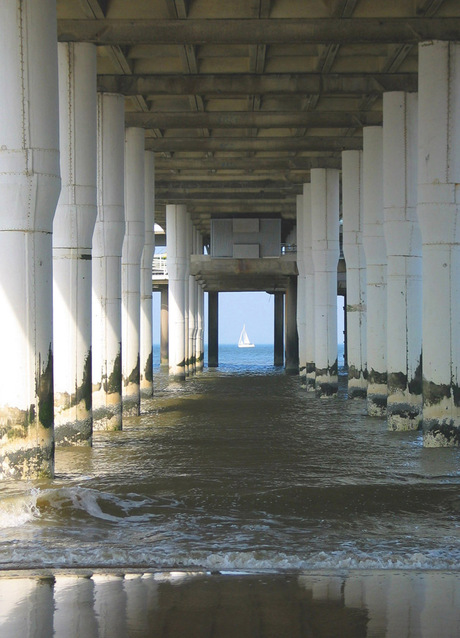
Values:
[(188, 604)]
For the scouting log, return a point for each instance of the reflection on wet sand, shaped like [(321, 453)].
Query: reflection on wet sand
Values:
[(357, 604)]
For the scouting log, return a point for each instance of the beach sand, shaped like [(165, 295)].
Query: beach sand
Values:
[(116, 604)]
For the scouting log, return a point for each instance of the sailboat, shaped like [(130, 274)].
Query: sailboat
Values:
[(243, 341)]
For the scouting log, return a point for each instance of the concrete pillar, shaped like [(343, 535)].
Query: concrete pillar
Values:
[(325, 252), (106, 272), (439, 217), (301, 281), (146, 328), (309, 291), (133, 245), (190, 285), (353, 249), (278, 337), (176, 258), (29, 190), (164, 326), (213, 329), (404, 261), (291, 337), (200, 318), (376, 270), (72, 238)]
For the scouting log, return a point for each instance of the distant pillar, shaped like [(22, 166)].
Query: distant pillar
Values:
[(176, 258), (404, 255), (29, 191), (213, 329), (301, 280), (146, 327), (190, 283), (72, 238), (325, 251), (133, 245), (439, 217), (376, 270), (279, 329), (291, 336), (164, 326), (309, 291), (106, 271), (353, 249)]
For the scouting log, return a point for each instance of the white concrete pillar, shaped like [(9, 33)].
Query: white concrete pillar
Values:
[(439, 217), (72, 238), (353, 250), (176, 260), (301, 291), (376, 270), (29, 190), (107, 246), (193, 301), (189, 325), (200, 331), (404, 261), (146, 345), (325, 252), (133, 245), (309, 291)]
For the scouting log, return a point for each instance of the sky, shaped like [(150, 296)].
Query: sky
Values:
[(254, 309)]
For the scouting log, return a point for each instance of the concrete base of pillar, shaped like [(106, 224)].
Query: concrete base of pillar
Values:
[(357, 383), (106, 411), (404, 402), (441, 417), (327, 382), (376, 399), (73, 424), (310, 379), (441, 434), (21, 458)]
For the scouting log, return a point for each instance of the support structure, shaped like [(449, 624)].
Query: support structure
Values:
[(352, 213), (325, 252), (376, 270), (404, 261), (133, 245), (106, 272), (309, 291), (146, 328), (29, 191), (291, 343), (72, 238), (164, 326), (439, 217), (301, 288), (176, 261), (278, 337), (213, 329)]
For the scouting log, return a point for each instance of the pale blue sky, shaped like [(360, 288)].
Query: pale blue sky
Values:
[(254, 309)]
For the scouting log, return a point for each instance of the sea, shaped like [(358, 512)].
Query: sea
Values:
[(238, 470)]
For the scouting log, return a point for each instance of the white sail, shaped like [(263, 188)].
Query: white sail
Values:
[(243, 341)]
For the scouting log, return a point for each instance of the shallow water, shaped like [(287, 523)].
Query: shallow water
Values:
[(239, 468)]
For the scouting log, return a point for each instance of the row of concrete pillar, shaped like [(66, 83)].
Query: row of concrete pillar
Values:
[(76, 247), (401, 245)]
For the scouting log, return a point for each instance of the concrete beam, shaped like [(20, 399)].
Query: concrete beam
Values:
[(215, 144), (248, 83), (260, 31), (254, 119), (246, 163)]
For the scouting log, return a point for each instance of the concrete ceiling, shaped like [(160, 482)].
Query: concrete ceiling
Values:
[(240, 99)]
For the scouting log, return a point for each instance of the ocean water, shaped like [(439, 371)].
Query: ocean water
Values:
[(239, 468)]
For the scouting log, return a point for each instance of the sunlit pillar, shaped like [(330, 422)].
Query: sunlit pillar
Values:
[(146, 328), (301, 280), (29, 191), (278, 336), (376, 270), (176, 258), (200, 331), (213, 329), (291, 342), (164, 326), (438, 212), (190, 299), (72, 238), (325, 252), (106, 272), (133, 245), (404, 257), (309, 291), (353, 249)]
